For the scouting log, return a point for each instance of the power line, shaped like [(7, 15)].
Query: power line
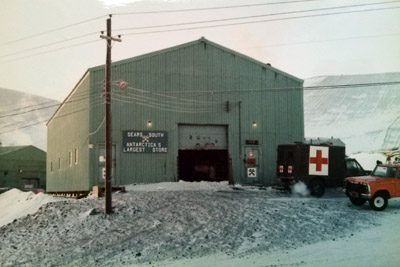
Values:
[(49, 51), (151, 105), (13, 104), (133, 13), (55, 105), (165, 104), (42, 103), (202, 27), (43, 115), (43, 121), (71, 99), (98, 128), (36, 123), (211, 8), (173, 97), (256, 16), (49, 44), (340, 86), (322, 41), (259, 21), (53, 30), (305, 88), (175, 100)]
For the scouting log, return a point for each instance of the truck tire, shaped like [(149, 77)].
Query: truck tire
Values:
[(287, 186), (317, 188), (357, 201), (379, 202)]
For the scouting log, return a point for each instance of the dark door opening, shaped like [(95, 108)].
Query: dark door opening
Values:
[(28, 184), (203, 165)]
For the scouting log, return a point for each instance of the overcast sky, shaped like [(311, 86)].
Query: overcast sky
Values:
[(341, 44)]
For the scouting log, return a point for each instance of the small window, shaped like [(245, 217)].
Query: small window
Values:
[(51, 166), (59, 162), (76, 156), (70, 158), (351, 165)]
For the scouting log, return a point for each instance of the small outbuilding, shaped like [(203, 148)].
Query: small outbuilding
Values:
[(22, 167), (197, 111)]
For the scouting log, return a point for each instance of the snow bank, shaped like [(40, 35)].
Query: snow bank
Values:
[(160, 227), (180, 186), (368, 160), (15, 204), (377, 246)]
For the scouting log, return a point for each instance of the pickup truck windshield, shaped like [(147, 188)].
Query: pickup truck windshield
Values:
[(383, 171)]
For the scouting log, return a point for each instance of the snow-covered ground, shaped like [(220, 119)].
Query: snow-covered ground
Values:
[(15, 204), (203, 224)]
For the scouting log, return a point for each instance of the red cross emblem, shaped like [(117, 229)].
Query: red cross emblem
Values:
[(319, 160)]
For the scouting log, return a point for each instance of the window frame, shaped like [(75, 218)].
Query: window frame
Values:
[(76, 154), (70, 158)]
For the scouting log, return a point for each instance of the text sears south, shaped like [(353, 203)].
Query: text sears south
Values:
[(145, 141)]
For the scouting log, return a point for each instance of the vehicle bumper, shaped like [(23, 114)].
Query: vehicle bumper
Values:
[(358, 195)]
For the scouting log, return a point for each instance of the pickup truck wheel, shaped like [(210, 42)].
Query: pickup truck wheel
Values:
[(379, 202), (317, 188), (357, 201)]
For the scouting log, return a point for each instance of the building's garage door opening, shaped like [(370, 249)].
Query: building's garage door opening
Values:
[(203, 165), (203, 153)]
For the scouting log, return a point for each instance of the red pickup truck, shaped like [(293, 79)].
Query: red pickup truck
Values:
[(377, 188)]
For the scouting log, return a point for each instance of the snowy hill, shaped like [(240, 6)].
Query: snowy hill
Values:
[(23, 118), (366, 118)]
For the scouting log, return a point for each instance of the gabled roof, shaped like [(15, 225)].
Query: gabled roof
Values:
[(162, 51), (68, 96), (9, 149), (201, 40)]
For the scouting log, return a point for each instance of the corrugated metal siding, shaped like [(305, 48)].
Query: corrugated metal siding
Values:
[(189, 73), (26, 162), (67, 130)]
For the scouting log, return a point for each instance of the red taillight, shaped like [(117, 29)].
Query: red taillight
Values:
[(281, 168)]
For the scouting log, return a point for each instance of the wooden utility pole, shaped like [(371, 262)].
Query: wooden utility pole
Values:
[(109, 160)]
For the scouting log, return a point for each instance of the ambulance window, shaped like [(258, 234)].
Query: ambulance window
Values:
[(351, 164)]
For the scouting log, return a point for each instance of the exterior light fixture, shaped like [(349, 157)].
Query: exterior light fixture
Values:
[(149, 124), (122, 85), (254, 124), (251, 153)]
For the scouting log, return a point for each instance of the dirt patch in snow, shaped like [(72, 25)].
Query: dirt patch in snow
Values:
[(155, 226)]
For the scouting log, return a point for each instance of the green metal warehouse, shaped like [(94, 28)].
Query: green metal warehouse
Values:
[(197, 111), (22, 167)]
